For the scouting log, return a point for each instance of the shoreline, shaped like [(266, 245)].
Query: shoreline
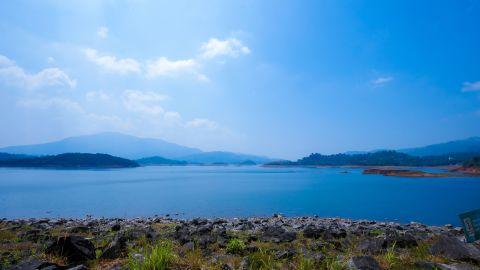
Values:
[(233, 243)]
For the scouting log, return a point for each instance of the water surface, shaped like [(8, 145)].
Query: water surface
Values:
[(234, 191)]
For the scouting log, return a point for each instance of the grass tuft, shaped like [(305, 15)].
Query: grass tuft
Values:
[(158, 257), (235, 246)]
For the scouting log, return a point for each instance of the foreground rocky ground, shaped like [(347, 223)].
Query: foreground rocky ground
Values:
[(252, 243)]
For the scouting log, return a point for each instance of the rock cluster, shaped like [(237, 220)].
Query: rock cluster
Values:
[(310, 238)]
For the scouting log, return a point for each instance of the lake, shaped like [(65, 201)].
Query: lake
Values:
[(231, 191)]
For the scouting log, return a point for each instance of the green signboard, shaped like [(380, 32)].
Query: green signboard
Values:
[(471, 225)]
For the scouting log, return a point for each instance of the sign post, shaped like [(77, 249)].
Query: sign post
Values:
[(471, 225)]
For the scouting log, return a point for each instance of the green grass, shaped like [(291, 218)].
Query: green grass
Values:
[(158, 257), (262, 260), (235, 246), (390, 257), (376, 232), (331, 261), (7, 236), (306, 264)]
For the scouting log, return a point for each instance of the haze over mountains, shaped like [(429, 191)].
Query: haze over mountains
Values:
[(151, 151), (131, 147)]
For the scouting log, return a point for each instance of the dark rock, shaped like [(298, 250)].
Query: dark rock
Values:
[(189, 246), (116, 248), (78, 267), (35, 265), (285, 254), (74, 248), (199, 221), (454, 249), (311, 231), (364, 263), (79, 229), (116, 227), (226, 267), (429, 266), (336, 233), (139, 233), (251, 249), (400, 240), (370, 246), (32, 235), (278, 234), (205, 240)]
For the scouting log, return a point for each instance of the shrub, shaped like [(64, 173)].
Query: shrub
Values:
[(235, 246)]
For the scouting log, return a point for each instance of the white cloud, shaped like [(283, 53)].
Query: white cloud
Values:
[(382, 80), (96, 96), (143, 102), (471, 86), (202, 122), (229, 47), (111, 63), (102, 32), (172, 68), (15, 75)]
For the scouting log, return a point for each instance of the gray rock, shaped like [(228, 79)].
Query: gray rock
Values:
[(405, 240), (285, 254), (78, 267), (116, 248), (74, 248), (454, 249), (35, 265), (278, 234), (311, 231), (370, 246), (364, 263)]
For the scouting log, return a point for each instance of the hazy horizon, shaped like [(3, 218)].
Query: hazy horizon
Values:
[(279, 80)]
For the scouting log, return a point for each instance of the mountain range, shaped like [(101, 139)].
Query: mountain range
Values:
[(131, 147), (156, 151)]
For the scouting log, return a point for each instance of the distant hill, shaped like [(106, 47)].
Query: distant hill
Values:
[(471, 145), (218, 157), (380, 158), (71, 161), (116, 144), (156, 160)]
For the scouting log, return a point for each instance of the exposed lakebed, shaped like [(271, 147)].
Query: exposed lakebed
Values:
[(191, 191)]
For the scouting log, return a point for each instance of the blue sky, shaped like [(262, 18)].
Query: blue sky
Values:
[(278, 78)]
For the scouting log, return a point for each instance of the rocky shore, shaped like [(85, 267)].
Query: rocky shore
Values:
[(247, 243)]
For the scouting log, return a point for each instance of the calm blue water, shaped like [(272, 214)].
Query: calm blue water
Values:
[(234, 191)]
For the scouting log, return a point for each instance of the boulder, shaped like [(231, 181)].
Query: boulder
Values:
[(74, 248), (370, 246), (364, 263), (311, 231), (35, 265), (405, 240), (454, 249), (278, 234), (116, 248), (78, 267)]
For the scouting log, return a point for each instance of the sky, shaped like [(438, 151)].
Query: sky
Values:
[(276, 78)]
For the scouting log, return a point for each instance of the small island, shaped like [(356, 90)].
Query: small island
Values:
[(404, 173), (470, 167), (70, 161)]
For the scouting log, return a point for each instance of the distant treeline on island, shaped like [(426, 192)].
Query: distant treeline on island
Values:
[(380, 158), (68, 160)]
